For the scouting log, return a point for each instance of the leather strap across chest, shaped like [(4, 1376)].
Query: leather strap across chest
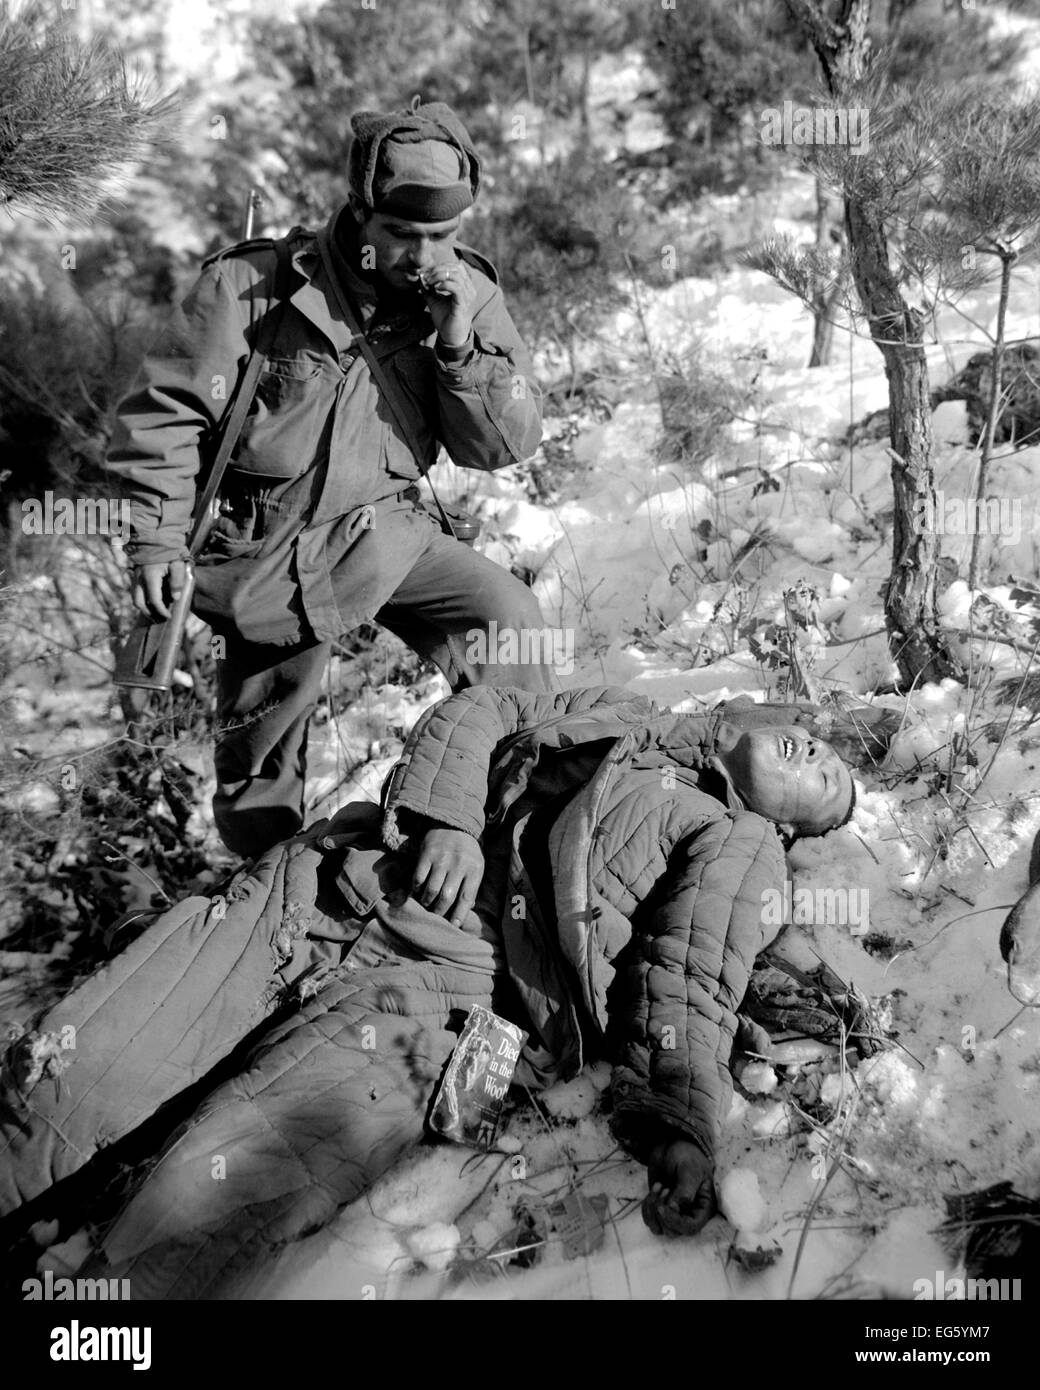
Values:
[(386, 388)]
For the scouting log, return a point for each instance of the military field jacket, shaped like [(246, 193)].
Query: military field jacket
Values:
[(320, 444)]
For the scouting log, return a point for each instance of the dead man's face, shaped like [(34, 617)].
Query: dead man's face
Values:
[(788, 776)]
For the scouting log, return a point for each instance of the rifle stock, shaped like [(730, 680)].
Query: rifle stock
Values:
[(148, 656)]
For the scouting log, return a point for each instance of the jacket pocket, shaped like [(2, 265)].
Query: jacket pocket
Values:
[(288, 416), (238, 532), (285, 380), (368, 875)]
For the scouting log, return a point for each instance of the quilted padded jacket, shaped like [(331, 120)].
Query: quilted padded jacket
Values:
[(641, 940)]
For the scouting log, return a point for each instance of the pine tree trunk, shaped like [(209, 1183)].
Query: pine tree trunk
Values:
[(823, 327), (994, 411), (826, 297), (918, 645), (583, 95)]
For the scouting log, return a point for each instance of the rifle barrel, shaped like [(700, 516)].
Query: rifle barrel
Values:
[(253, 201)]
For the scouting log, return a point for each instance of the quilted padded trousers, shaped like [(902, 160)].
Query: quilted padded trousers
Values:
[(324, 1104)]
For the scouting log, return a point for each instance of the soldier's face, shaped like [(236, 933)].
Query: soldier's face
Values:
[(400, 251)]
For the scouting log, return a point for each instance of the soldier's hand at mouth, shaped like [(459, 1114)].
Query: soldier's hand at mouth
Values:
[(450, 296), (682, 1189), (448, 873)]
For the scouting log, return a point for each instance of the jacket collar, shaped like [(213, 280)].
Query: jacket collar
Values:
[(734, 800), (313, 296), (362, 292), (315, 256)]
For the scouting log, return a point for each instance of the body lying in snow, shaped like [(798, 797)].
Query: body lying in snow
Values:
[(586, 864)]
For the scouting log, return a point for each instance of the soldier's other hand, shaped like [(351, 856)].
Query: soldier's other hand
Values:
[(448, 873), (681, 1200), (154, 586)]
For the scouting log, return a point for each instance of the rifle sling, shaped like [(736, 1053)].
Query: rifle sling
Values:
[(381, 379), (231, 425)]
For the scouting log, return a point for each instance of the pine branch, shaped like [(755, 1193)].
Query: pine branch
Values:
[(802, 270), (73, 117)]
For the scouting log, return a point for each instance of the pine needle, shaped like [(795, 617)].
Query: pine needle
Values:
[(73, 117)]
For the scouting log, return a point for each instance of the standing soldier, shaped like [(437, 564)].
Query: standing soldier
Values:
[(321, 524)]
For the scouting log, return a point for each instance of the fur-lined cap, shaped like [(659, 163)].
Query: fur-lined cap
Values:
[(417, 163)]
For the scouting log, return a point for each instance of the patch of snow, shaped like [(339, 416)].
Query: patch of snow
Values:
[(741, 1202)]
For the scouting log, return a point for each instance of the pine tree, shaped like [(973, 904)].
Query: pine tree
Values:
[(878, 185), (72, 116)]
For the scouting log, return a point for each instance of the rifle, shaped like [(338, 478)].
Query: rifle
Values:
[(148, 656)]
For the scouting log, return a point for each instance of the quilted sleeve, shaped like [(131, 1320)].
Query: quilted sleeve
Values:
[(675, 1015), (443, 772)]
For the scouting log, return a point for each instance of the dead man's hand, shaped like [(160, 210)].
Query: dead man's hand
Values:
[(448, 873), (681, 1200)]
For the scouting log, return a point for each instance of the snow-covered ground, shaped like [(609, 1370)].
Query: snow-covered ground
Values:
[(939, 843)]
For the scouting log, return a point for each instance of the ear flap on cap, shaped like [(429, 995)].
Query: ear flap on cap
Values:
[(433, 121)]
